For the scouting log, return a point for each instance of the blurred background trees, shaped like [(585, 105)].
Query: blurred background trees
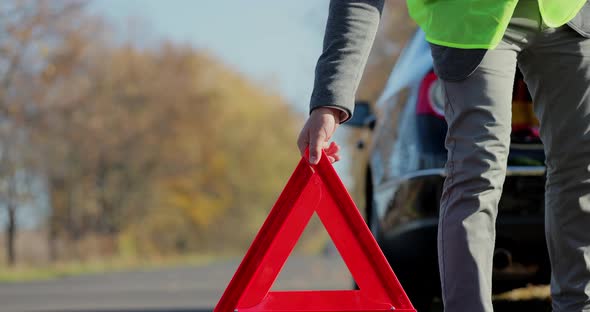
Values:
[(114, 147), (121, 149)]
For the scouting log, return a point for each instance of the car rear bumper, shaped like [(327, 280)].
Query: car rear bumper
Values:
[(416, 196), (408, 222), (412, 252)]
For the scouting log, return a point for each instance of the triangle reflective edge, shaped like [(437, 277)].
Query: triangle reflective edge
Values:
[(314, 189)]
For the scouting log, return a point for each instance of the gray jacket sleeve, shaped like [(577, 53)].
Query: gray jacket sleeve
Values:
[(350, 31)]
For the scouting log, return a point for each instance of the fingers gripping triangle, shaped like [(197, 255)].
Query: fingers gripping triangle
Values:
[(314, 189)]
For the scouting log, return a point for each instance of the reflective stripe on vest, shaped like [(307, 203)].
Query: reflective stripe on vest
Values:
[(480, 24)]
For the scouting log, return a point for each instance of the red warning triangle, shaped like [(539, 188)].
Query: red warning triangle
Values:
[(314, 189)]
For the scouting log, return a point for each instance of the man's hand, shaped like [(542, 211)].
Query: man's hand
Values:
[(316, 133)]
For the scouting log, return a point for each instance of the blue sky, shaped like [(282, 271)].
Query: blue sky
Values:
[(275, 42)]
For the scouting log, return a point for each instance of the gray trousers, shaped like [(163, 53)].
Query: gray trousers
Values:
[(556, 67)]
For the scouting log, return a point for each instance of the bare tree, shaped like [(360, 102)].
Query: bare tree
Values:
[(157, 145), (14, 182), (28, 31)]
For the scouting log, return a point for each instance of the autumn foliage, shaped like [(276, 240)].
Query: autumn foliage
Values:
[(156, 149)]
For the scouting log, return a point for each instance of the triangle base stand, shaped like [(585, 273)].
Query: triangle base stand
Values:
[(314, 189)]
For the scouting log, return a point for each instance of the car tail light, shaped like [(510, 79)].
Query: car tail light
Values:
[(431, 99), (525, 126)]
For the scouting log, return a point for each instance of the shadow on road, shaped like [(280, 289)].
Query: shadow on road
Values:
[(531, 305), (499, 306), (512, 306), (138, 310)]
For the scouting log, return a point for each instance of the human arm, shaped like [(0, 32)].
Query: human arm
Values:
[(349, 35)]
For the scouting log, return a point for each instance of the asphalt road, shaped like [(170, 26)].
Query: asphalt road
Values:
[(182, 289)]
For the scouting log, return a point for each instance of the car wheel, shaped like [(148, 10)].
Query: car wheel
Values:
[(422, 303), (422, 298), (373, 224)]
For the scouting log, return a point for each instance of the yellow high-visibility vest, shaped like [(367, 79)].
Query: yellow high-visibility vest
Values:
[(480, 24)]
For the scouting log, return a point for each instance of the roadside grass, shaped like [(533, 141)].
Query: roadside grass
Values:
[(22, 273), (34, 265)]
